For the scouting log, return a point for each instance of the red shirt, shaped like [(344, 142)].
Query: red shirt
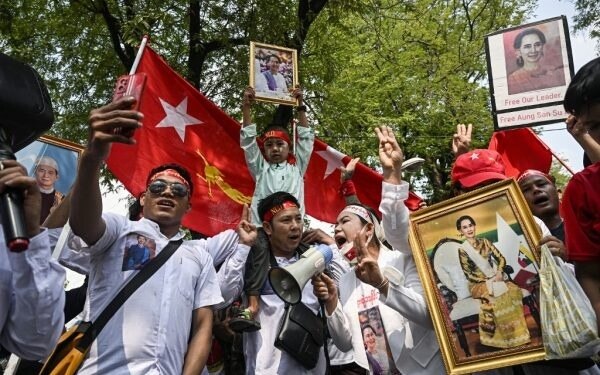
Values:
[(581, 214)]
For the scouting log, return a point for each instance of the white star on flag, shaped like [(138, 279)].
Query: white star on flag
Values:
[(333, 158), (177, 117), (474, 156)]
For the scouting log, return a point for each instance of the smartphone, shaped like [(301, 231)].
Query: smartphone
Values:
[(129, 85)]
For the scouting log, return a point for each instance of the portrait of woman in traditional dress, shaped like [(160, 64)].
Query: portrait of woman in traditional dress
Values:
[(502, 321)]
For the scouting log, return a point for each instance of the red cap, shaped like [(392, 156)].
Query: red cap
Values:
[(478, 166)]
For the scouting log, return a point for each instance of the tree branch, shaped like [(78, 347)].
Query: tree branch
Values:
[(115, 31)]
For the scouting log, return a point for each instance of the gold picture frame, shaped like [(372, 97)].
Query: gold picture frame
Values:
[(468, 294), (267, 85)]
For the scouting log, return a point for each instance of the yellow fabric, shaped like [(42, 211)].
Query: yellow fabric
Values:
[(66, 358), (501, 319)]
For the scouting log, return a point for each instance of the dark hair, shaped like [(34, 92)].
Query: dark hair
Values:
[(462, 218), (584, 89), (135, 210), (273, 200), (362, 329), (519, 38), (268, 58), (181, 170)]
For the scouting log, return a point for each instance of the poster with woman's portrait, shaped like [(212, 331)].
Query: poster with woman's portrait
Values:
[(273, 72), (476, 257), (529, 69), (53, 163)]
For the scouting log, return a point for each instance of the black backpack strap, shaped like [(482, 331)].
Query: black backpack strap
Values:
[(92, 330)]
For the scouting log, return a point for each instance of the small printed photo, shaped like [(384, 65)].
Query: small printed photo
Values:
[(273, 72), (375, 340), (139, 249)]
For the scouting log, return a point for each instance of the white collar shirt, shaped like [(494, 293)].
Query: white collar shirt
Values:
[(31, 298), (150, 333)]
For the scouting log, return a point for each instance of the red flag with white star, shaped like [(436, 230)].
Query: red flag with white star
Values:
[(322, 184), (182, 126)]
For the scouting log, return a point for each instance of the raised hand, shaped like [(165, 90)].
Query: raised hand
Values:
[(114, 122), (367, 270), (390, 155), (461, 141), (348, 171), (246, 231), (298, 94), (248, 97)]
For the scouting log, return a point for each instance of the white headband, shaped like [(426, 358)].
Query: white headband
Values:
[(359, 211)]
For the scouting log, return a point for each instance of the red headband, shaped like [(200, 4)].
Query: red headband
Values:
[(171, 173), (534, 172), (275, 134), (268, 216)]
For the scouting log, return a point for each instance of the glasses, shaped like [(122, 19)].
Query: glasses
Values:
[(159, 186)]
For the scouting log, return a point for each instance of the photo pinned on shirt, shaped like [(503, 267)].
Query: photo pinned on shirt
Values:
[(529, 69), (139, 249), (475, 256), (377, 349), (273, 72)]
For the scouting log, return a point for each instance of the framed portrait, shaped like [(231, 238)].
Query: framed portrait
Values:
[(475, 256), (53, 163), (273, 72), (529, 70)]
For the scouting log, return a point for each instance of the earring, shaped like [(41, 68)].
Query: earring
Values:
[(520, 61)]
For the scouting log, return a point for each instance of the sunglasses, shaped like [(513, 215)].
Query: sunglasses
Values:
[(177, 188)]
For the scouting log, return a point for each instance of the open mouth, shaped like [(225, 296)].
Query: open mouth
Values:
[(540, 200), (165, 203), (340, 241)]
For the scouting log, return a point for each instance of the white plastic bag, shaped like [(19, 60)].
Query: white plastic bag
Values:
[(568, 320)]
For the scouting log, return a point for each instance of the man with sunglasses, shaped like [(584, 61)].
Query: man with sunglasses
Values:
[(151, 331)]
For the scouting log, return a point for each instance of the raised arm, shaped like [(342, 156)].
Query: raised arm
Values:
[(461, 141), (108, 124), (248, 100)]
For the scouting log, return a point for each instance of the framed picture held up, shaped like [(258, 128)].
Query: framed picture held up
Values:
[(53, 163), (477, 260), (273, 72)]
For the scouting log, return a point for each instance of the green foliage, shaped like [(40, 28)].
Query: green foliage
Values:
[(588, 17), (418, 66)]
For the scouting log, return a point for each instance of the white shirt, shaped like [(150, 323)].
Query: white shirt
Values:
[(149, 334), (261, 355), (404, 313), (31, 299), (271, 178)]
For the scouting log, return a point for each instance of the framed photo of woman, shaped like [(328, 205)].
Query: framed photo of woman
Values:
[(273, 72), (53, 163), (477, 260)]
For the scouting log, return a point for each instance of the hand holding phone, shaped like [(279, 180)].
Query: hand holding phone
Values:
[(129, 85)]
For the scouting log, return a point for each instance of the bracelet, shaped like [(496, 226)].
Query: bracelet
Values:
[(385, 282), (301, 108)]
